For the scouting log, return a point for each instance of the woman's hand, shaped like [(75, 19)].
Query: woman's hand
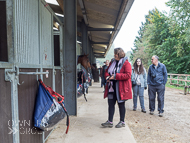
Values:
[(107, 79), (112, 77)]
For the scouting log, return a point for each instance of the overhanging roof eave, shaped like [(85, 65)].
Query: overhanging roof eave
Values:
[(119, 23)]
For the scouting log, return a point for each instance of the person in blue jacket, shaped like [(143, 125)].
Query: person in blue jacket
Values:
[(157, 78)]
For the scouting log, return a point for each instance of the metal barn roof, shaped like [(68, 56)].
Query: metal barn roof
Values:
[(104, 19)]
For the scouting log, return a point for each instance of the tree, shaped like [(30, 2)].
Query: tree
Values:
[(180, 27), (157, 36)]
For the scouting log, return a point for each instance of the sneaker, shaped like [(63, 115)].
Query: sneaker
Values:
[(151, 112), (134, 109), (107, 124), (143, 110), (120, 124), (160, 114)]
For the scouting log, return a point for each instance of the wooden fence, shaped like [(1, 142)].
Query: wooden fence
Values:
[(180, 77)]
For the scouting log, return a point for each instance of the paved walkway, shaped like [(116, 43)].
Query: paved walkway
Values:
[(86, 127)]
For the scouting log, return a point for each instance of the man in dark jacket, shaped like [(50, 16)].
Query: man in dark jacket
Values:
[(103, 72), (157, 78)]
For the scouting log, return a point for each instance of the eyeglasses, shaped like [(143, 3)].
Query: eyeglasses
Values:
[(151, 59)]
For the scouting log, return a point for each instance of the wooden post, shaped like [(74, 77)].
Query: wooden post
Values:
[(177, 80), (185, 90), (186, 81), (170, 79)]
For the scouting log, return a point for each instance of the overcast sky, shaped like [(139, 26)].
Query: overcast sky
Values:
[(136, 15)]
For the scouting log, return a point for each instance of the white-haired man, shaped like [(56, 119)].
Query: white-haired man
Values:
[(157, 78)]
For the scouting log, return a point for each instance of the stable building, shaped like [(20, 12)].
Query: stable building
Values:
[(40, 40)]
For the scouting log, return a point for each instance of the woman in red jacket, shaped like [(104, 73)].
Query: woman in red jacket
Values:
[(118, 87)]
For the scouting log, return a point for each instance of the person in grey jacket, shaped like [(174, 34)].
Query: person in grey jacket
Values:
[(140, 77), (157, 78)]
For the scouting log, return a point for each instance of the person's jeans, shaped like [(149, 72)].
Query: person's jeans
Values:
[(138, 91), (160, 89)]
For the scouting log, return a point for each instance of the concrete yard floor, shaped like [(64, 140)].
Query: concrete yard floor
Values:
[(86, 126)]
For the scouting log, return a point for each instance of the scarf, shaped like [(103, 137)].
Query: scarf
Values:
[(113, 69)]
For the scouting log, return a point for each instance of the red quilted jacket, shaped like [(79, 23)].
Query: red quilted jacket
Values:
[(124, 78)]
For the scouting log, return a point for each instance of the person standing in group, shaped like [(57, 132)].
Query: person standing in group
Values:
[(140, 78), (104, 67), (157, 78), (118, 87), (100, 75)]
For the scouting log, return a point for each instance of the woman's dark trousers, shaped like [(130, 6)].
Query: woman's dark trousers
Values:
[(111, 108)]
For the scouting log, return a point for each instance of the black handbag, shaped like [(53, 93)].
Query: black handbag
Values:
[(134, 82)]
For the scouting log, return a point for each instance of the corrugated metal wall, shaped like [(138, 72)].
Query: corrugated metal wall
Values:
[(46, 36), (26, 31), (33, 44), (27, 36)]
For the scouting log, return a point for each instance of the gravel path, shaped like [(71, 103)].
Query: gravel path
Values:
[(173, 127)]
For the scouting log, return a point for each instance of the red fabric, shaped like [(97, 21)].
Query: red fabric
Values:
[(52, 92), (124, 78)]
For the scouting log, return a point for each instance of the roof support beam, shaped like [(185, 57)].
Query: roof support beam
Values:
[(100, 29), (81, 3), (84, 38), (56, 8), (99, 53), (105, 43), (100, 49), (70, 82)]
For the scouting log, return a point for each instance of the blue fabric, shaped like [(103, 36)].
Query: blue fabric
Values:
[(160, 75), (43, 103), (85, 73), (79, 90), (138, 91)]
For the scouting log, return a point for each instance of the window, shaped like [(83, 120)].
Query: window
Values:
[(3, 32), (56, 50)]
